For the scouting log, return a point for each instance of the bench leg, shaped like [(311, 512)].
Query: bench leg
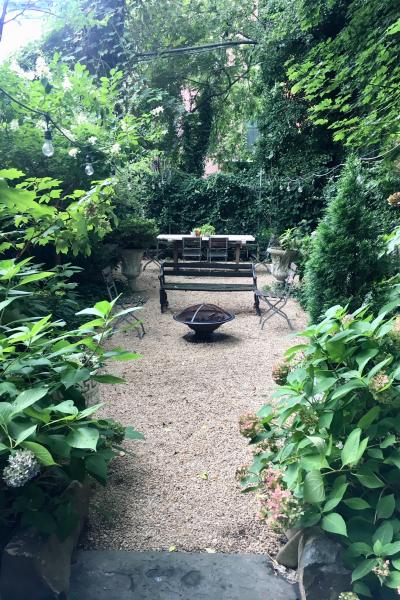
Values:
[(257, 305), (163, 300)]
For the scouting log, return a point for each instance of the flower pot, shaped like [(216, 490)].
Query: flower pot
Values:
[(281, 260), (131, 265)]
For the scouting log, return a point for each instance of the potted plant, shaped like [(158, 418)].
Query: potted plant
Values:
[(285, 250), (134, 235)]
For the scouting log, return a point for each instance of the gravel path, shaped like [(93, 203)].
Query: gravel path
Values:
[(178, 487)]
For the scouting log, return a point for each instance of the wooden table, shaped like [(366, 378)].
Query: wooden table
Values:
[(234, 240)]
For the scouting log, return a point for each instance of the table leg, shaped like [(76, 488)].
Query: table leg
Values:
[(237, 254), (175, 251)]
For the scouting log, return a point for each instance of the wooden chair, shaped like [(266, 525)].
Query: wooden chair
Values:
[(217, 247), (191, 247), (276, 301), (124, 302)]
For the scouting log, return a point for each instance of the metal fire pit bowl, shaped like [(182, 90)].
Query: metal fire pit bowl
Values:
[(204, 318)]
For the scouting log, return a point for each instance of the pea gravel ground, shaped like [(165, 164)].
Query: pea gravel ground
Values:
[(177, 488)]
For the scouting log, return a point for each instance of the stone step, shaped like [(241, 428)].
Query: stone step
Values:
[(123, 575)]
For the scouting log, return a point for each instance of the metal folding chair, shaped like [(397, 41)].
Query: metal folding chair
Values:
[(153, 255), (276, 301), (218, 247), (123, 301), (191, 247)]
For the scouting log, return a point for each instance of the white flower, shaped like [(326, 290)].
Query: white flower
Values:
[(14, 125), (42, 69), (339, 445), (156, 111), (67, 85), (318, 397), (41, 125), (81, 118), (124, 126), (92, 140), (22, 467), (73, 152), (115, 148)]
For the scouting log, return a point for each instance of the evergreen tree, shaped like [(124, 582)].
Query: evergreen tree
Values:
[(344, 261)]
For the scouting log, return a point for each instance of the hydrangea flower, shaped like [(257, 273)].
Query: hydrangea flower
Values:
[(348, 596), (280, 371), (379, 382), (157, 111), (22, 467), (92, 140), (115, 148), (14, 125), (249, 425), (73, 152)]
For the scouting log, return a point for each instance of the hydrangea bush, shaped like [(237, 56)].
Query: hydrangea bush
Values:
[(327, 449), (48, 436)]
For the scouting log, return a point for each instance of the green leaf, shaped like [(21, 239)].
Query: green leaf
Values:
[(6, 412), (83, 437), (390, 549), (357, 503), (364, 356), (35, 277), (97, 466), (90, 410), (73, 376), (23, 435), (369, 417), (358, 549), (385, 507), (313, 489), (11, 174), (384, 533), (334, 523), (27, 398), (364, 568), (335, 497), (41, 453), (132, 434), (369, 479), (361, 588), (388, 441), (350, 386), (108, 379), (349, 452), (393, 581)]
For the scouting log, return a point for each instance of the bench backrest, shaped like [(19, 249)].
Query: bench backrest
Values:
[(207, 269)]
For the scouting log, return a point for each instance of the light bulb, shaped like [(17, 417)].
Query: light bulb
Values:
[(48, 148), (89, 169), (300, 189)]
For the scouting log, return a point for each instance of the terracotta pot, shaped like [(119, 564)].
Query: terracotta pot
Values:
[(131, 265)]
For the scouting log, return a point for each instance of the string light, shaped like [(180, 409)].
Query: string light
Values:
[(88, 166), (48, 148)]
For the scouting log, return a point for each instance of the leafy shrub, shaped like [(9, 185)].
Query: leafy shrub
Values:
[(207, 229), (48, 437), (135, 232), (328, 453), (344, 259)]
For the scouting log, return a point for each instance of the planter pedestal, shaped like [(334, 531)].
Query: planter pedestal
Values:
[(281, 260), (131, 265), (36, 567)]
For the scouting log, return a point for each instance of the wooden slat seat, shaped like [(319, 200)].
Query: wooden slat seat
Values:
[(192, 270)]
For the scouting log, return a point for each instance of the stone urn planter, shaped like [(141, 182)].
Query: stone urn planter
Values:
[(280, 260), (131, 265)]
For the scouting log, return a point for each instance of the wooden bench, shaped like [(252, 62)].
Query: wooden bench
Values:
[(207, 269)]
